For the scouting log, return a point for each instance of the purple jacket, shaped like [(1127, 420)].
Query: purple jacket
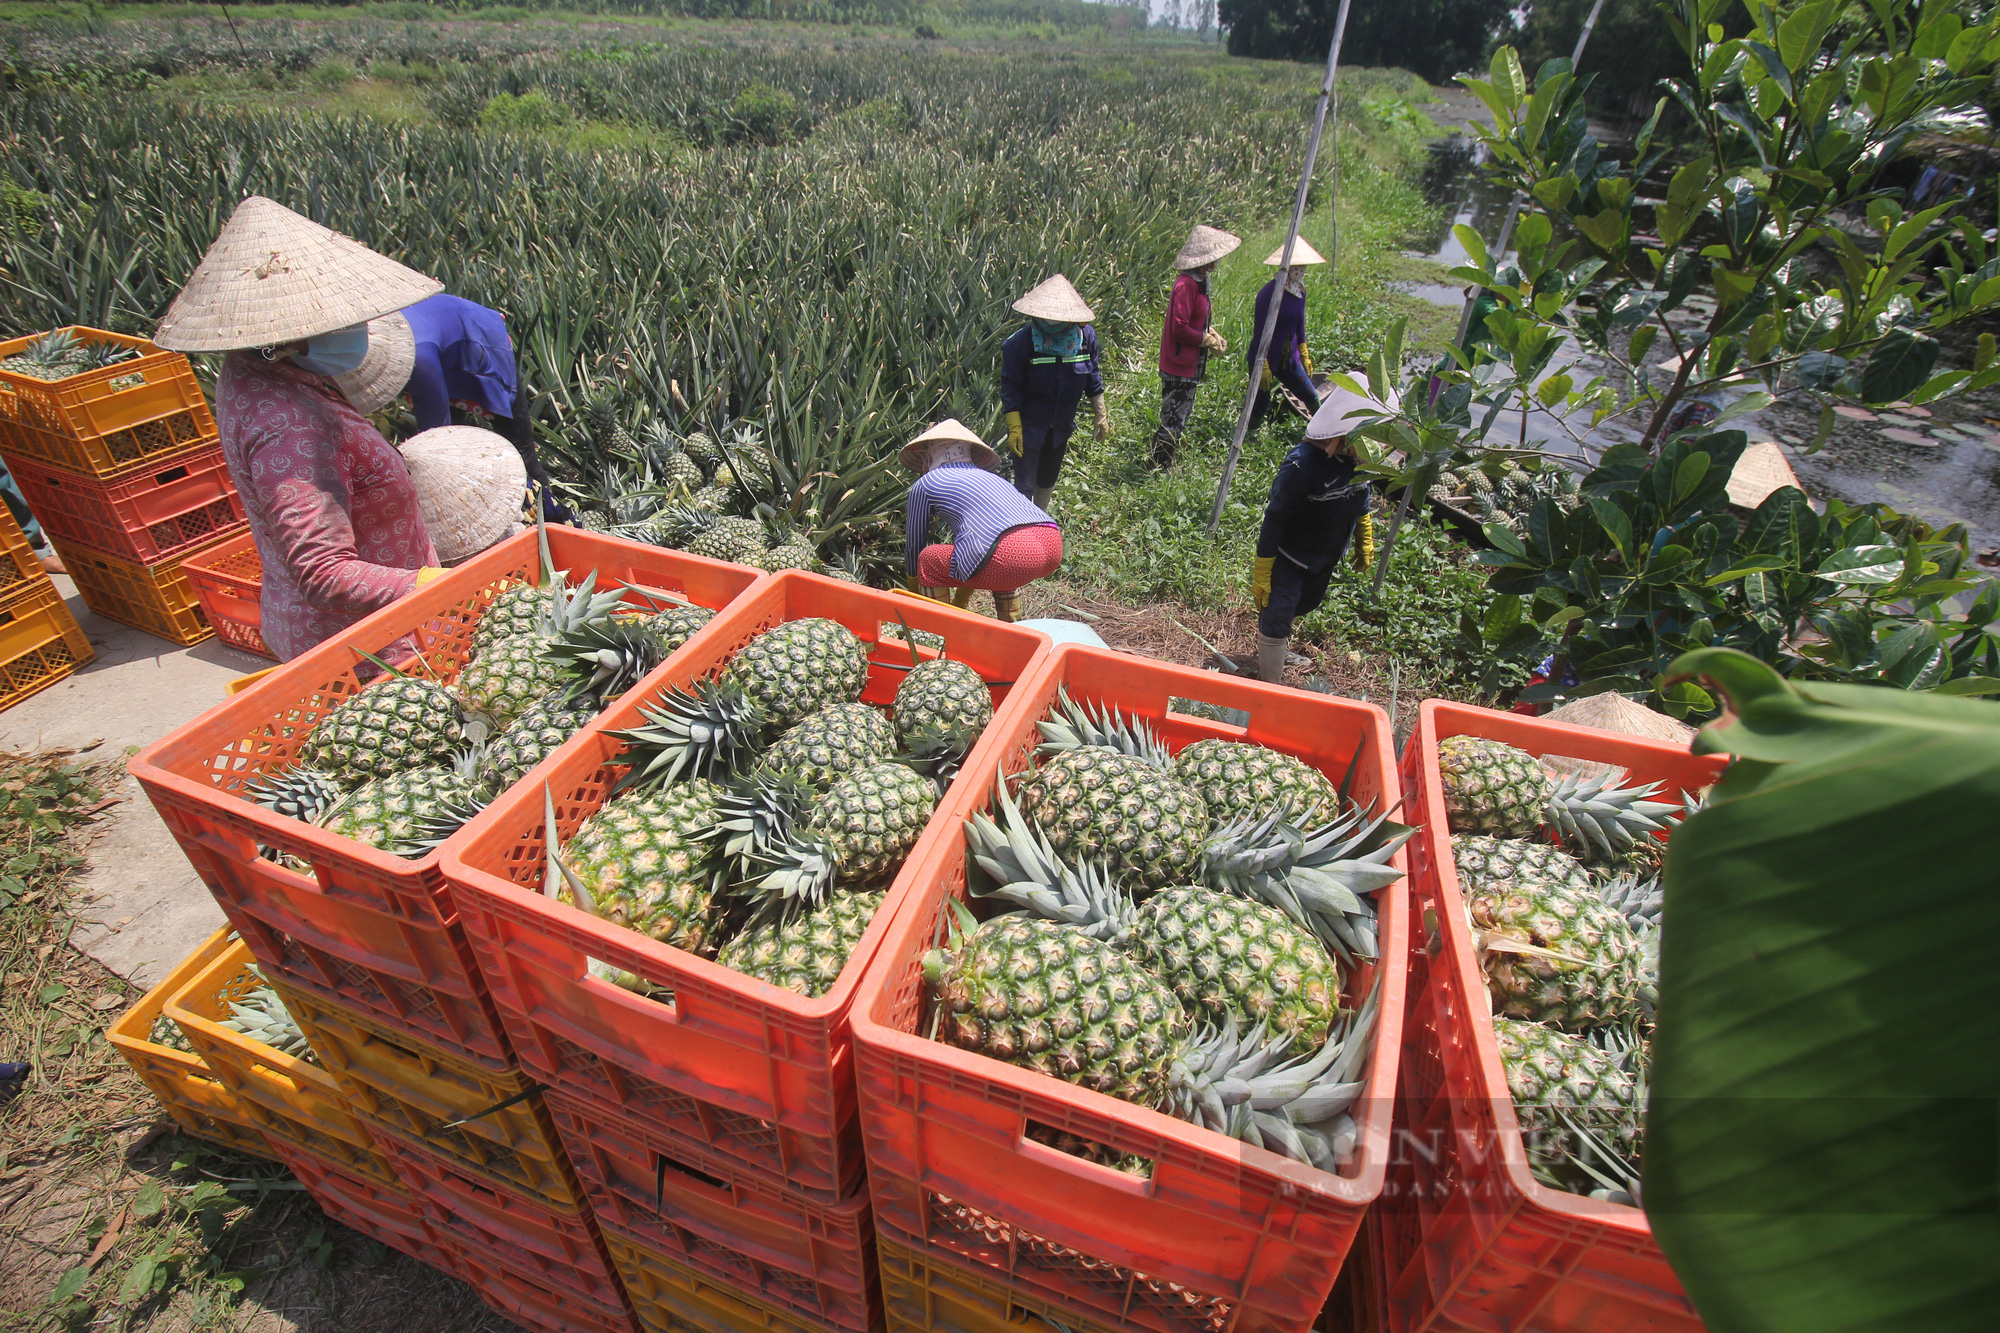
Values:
[(1289, 335)]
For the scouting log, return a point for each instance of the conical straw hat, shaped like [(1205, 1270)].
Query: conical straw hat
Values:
[(1204, 246), (1302, 254), (916, 454), (385, 370), (274, 277), (470, 483), (1611, 711), (1055, 300), (1760, 470)]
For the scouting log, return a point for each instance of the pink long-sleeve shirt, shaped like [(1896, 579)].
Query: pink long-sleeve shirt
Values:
[(330, 503)]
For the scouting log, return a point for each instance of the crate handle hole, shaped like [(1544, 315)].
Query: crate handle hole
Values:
[(615, 978), (171, 474), (1125, 1170), (663, 1164)]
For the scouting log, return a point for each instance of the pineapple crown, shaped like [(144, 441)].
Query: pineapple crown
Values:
[(52, 347), (297, 792), (569, 609), (760, 811), (261, 1016), (556, 875), (602, 659), (1027, 872), (1596, 813), (711, 731), (1639, 899), (1072, 726), (1317, 877)]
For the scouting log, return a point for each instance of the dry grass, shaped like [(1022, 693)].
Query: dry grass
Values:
[(109, 1220)]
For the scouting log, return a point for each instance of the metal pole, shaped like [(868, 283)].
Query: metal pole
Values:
[(1499, 252), (1270, 321)]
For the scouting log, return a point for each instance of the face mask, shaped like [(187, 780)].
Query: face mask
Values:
[(335, 353), (1296, 284)]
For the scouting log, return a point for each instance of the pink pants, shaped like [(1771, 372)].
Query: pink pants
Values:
[(1020, 557)]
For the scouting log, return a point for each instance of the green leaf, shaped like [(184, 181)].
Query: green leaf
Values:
[(138, 1282), (1553, 389), (1509, 83), (1505, 541), (1608, 230), (55, 990), (1687, 477), (1813, 1127), (1899, 363), (1799, 35), (1641, 343), (1970, 685), (1475, 249), (150, 1199), (70, 1284), (1863, 564)]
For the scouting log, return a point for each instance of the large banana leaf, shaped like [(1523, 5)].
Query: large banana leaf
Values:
[(1821, 1143)]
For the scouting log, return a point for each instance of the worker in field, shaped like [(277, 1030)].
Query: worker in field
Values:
[(1045, 369), (1287, 360), (1316, 507), (1188, 336), (1000, 540), (445, 352), (331, 504)]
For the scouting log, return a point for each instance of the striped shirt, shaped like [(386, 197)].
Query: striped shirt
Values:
[(978, 506)]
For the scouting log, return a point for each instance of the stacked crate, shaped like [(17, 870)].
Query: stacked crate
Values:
[(123, 469), (39, 639)]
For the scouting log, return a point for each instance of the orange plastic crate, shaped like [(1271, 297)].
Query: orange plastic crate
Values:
[(733, 1066), (1470, 1239), (169, 507), (381, 1212), (397, 1083), (285, 1097), (1223, 1235), (88, 424), (20, 568), (555, 1246), (538, 1306), (228, 578), (183, 1082), (815, 1261), (367, 930), (670, 1297), (40, 641), (154, 598)]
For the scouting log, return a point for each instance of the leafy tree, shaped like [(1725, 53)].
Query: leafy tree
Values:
[(1820, 283), (1434, 38), (1631, 49)]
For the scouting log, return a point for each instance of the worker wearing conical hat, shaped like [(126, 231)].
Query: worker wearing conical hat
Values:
[(1188, 337), (1286, 361), (335, 515), (1045, 369), (1317, 505), (1000, 540)]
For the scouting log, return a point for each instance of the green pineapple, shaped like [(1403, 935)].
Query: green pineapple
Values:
[(1095, 802), (669, 458), (674, 626), (511, 674), (789, 555), (714, 499), (411, 812), (923, 638), (1484, 863), (515, 612), (399, 722), (1558, 955), (737, 540), (800, 667), (1565, 1089), (805, 955), (946, 699), (705, 452), (834, 742), (534, 735), (640, 863), (1497, 789), (857, 832), (1236, 780), (1226, 956)]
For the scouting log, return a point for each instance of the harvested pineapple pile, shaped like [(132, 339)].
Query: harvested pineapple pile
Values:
[(1561, 882), (689, 493), (766, 811), (1508, 495), (61, 354), (1184, 928), (402, 764)]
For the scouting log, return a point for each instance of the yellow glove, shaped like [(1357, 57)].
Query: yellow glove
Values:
[(427, 573), (910, 582), (1364, 542), (1306, 357), (1264, 380), (1014, 433), (1103, 417), (1260, 581)]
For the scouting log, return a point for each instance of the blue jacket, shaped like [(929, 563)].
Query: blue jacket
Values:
[(463, 355), (1315, 503), (1041, 388), (1287, 337)]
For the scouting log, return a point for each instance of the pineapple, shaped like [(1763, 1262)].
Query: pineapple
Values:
[(673, 627), (714, 499), (411, 812), (546, 724), (805, 955), (1224, 956), (53, 356), (511, 674), (399, 722), (1565, 1089), (670, 460), (923, 638), (834, 742), (706, 454), (1639, 900), (515, 612), (1237, 780), (858, 832), (639, 863), (737, 540), (1093, 801), (1558, 955), (1496, 789), (801, 666), (673, 527), (943, 699), (1484, 863), (789, 555)]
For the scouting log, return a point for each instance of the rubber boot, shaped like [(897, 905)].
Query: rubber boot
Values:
[(961, 597), (1007, 606), (1041, 497), (1271, 659)]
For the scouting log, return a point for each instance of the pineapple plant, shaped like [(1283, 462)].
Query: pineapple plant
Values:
[(669, 457), (806, 954)]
